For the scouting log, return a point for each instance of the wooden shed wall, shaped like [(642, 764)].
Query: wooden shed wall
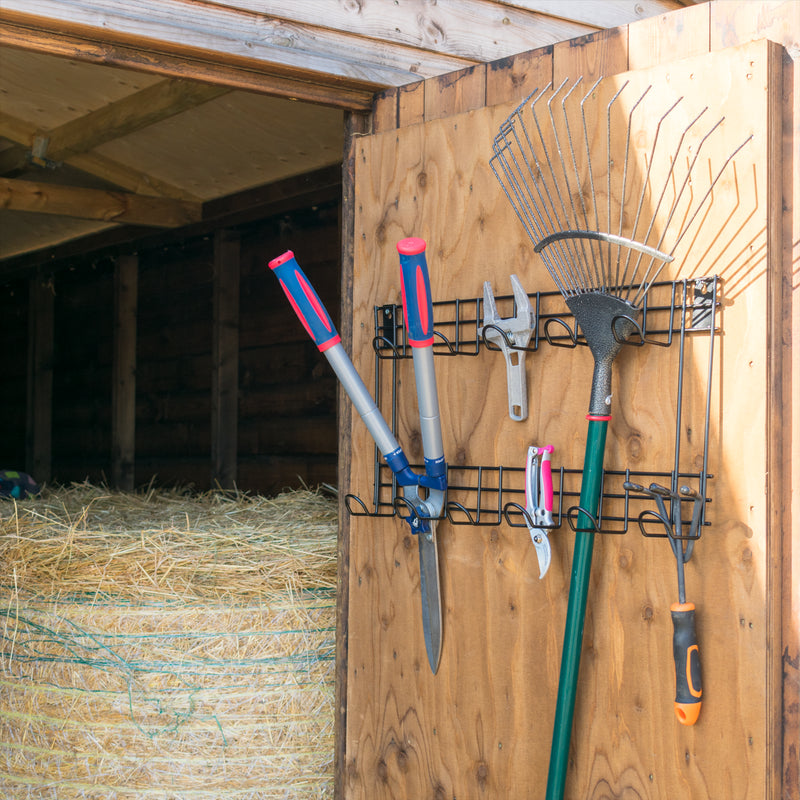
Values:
[(481, 727), (285, 429)]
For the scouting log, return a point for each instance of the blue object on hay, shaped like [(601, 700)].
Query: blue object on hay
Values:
[(17, 485)]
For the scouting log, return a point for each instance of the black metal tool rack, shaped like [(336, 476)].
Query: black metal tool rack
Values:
[(487, 495)]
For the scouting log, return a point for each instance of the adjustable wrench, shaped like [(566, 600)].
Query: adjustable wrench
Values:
[(511, 335)]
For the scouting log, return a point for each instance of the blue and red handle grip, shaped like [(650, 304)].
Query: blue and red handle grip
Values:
[(416, 286), (317, 322), (305, 301)]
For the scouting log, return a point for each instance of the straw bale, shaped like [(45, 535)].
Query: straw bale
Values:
[(167, 645)]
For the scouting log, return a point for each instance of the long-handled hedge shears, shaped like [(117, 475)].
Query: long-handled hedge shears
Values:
[(423, 495)]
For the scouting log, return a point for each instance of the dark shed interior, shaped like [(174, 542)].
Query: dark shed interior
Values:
[(286, 403)]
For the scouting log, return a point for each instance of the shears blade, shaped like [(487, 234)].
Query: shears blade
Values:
[(431, 595)]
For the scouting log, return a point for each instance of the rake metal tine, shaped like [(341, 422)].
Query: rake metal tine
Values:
[(563, 258), (528, 210), (647, 279), (686, 178), (591, 185), (625, 175), (645, 185), (708, 192), (585, 261), (661, 196), (569, 250), (609, 162), (698, 206), (513, 182), (578, 262)]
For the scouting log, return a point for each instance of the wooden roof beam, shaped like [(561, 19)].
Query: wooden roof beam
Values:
[(121, 207), (18, 158), (122, 117)]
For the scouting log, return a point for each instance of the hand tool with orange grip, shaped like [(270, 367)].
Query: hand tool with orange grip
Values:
[(423, 495), (685, 649)]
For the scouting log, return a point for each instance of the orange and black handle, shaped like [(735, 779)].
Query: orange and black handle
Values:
[(686, 652)]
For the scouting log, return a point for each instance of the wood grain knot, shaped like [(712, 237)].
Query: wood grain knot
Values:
[(402, 759), (635, 446), (624, 559), (482, 774), (382, 770)]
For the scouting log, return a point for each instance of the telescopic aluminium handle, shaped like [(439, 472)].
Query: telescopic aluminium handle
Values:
[(686, 652), (317, 322)]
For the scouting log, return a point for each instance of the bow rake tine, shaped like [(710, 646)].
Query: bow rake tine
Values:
[(609, 163), (648, 280), (581, 259), (568, 248), (668, 179), (599, 273), (706, 195), (625, 176), (645, 184)]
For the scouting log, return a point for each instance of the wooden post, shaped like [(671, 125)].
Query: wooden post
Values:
[(354, 126), (123, 389), (38, 434), (225, 360)]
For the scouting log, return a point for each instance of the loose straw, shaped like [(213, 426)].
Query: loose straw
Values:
[(167, 645)]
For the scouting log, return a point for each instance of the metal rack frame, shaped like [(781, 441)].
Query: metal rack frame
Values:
[(488, 495)]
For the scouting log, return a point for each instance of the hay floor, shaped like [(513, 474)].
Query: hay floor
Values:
[(167, 645)]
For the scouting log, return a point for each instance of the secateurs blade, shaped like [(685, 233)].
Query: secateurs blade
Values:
[(511, 335), (423, 495), (539, 502)]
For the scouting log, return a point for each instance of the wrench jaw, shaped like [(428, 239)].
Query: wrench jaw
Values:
[(511, 335)]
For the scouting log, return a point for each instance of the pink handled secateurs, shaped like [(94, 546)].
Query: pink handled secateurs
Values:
[(539, 502)]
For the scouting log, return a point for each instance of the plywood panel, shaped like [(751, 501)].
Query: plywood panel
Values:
[(482, 726)]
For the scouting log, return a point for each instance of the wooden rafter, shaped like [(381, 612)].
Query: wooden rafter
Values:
[(132, 113), (70, 201), (71, 142)]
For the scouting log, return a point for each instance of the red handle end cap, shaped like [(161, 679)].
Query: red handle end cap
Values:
[(276, 262), (411, 246)]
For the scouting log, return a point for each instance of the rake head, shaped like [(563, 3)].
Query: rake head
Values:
[(606, 196)]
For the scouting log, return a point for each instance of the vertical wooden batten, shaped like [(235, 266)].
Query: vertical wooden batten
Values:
[(39, 424), (123, 388), (225, 359), (355, 125)]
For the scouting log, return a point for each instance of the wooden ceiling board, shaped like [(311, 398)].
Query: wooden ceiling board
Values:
[(47, 92), (282, 74), (233, 143)]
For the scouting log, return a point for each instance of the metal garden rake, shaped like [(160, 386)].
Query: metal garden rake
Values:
[(605, 227)]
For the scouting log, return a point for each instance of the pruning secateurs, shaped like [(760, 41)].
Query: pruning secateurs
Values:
[(539, 502), (423, 495)]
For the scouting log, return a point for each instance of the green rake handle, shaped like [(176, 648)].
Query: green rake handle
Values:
[(591, 484)]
